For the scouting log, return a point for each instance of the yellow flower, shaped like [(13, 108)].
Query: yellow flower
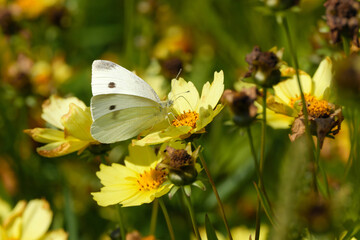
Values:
[(29, 221), (285, 105), (191, 111), (323, 116), (73, 120), (34, 8), (136, 183)]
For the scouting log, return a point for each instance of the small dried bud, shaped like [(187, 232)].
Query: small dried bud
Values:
[(181, 166), (7, 23), (281, 4), (341, 16), (242, 104), (347, 80), (263, 67)]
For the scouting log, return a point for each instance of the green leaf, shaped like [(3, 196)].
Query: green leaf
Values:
[(210, 231), (265, 205)]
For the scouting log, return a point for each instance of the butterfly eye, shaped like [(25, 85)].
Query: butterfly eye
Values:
[(111, 85), (112, 107)]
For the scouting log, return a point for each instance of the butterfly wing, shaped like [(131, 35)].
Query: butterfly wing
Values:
[(110, 78), (124, 124), (107, 103)]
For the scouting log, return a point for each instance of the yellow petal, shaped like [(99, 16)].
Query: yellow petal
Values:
[(55, 107), (110, 195), (140, 158), (114, 174), (211, 93), (5, 210), (36, 219), (45, 135), (288, 89), (184, 95), (14, 214), (206, 116), (57, 149), (275, 120), (56, 235), (77, 123), (322, 78), (162, 136), (14, 230)]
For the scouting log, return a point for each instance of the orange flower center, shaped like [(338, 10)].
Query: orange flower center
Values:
[(152, 179), (186, 119), (316, 108)]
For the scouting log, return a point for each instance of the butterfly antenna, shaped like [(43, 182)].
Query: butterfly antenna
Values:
[(178, 75)]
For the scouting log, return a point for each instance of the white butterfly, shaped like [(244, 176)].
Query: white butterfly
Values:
[(123, 105)]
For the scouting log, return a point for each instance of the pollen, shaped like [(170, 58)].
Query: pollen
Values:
[(152, 179), (186, 119), (316, 108)]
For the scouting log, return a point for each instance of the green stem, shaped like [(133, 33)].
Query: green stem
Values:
[(167, 219), (192, 214), (212, 183), (346, 46), (262, 160), (154, 215), (121, 222), (317, 159), (304, 108), (257, 167)]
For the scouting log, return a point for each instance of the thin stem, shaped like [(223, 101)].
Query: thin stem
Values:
[(154, 215), (192, 214), (257, 167), (262, 160), (212, 183), (317, 159), (129, 27), (121, 222), (167, 219), (304, 109), (345, 42)]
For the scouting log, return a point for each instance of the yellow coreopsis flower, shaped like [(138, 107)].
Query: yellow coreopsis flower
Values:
[(29, 221), (139, 181), (191, 111), (285, 108), (72, 119)]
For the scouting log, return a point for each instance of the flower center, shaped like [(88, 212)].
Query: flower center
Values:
[(186, 119), (316, 108), (152, 179)]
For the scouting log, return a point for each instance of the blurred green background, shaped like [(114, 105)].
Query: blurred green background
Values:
[(47, 47)]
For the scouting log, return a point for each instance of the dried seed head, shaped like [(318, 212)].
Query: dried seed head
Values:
[(242, 104), (341, 16), (263, 67)]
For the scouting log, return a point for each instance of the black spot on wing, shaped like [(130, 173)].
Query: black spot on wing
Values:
[(112, 107), (111, 85)]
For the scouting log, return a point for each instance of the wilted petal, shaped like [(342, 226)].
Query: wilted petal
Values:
[(36, 219), (55, 107), (57, 149), (77, 123), (322, 78), (211, 93), (45, 135)]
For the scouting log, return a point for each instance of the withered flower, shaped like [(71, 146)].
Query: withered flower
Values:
[(347, 80), (181, 165), (325, 120), (341, 16), (263, 67), (242, 105), (8, 24)]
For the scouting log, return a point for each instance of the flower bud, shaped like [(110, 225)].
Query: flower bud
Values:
[(263, 67), (281, 4), (242, 105)]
